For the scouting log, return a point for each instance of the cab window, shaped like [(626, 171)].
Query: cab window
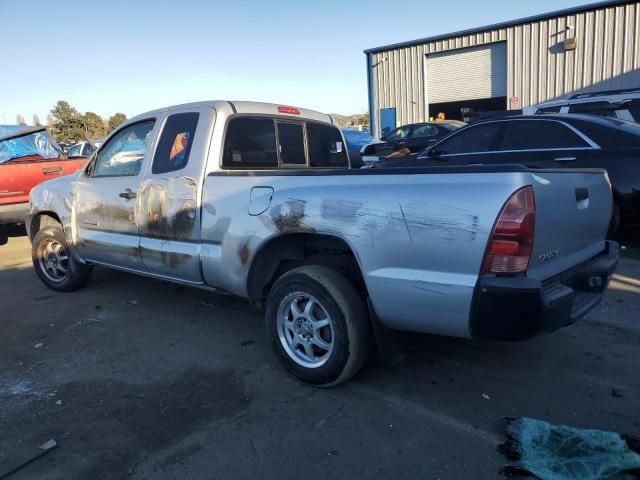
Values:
[(326, 149), (123, 154), (250, 143), (175, 143), (291, 144)]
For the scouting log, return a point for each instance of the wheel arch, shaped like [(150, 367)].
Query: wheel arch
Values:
[(42, 219), (282, 253)]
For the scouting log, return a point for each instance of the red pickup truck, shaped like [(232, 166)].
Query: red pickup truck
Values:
[(28, 156)]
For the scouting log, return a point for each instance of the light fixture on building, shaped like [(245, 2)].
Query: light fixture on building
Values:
[(569, 43)]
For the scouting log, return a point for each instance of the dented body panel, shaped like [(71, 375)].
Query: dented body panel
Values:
[(418, 235)]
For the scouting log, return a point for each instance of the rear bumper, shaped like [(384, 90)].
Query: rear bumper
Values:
[(507, 308), (13, 213)]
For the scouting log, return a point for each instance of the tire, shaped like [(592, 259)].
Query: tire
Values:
[(335, 327), (53, 263)]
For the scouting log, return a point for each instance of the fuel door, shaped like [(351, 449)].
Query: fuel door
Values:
[(260, 200)]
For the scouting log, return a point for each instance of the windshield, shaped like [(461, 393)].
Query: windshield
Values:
[(37, 143)]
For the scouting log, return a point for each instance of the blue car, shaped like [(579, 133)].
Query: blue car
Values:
[(355, 141)]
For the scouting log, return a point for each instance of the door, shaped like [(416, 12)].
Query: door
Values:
[(468, 145), (474, 73), (543, 144), (170, 241), (106, 198)]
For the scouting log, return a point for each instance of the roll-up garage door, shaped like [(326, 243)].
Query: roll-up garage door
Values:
[(467, 74)]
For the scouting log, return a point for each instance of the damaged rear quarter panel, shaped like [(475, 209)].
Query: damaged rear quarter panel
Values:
[(419, 239)]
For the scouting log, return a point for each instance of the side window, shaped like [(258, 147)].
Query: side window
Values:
[(250, 143), (474, 139), (539, 134), (552, 109), (325, 146), (601, 109), (124, 152), (634, 109), (87, 150), (74, 151), (397, 134), (424, 131), (291, 144), (175, 143)]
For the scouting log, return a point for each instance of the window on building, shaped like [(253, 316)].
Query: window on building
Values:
[(250, 143), (175, 143), (325, 146), (540, 134)]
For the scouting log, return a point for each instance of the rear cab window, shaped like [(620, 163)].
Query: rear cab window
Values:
[(272, 143)]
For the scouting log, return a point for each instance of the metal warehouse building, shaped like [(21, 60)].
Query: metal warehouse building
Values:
[(508, 66)]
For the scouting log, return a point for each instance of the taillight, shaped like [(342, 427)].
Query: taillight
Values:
[(511, 240)]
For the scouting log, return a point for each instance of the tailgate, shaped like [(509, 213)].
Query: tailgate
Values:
[(573, 211)]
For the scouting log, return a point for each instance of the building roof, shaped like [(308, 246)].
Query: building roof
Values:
[(495, 26)]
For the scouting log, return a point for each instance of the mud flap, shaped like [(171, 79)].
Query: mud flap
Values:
[(390, 350)]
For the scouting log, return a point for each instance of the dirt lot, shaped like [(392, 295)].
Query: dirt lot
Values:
[(136, 378)]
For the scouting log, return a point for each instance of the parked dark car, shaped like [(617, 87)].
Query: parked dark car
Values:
[(415, 137), (355, 141), (549, 141)]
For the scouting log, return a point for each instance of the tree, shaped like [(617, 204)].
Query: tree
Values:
[(116, 120), (67, 122), (95, 126), (20, 120), (36, 120)]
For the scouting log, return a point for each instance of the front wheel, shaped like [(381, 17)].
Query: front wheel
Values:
[(53, 262), (318, 325)]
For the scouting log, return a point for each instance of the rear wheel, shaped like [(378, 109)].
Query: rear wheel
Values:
[(53, 263), (318, 325)]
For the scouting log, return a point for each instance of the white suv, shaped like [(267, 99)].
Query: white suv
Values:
[(620, 104)]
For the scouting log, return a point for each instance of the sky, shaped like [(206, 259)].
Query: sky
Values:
[(137, 55)]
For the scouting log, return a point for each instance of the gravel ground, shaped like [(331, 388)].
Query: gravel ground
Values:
[(136, 378)]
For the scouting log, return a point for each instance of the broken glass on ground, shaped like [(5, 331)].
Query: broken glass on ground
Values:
[(558, 452)]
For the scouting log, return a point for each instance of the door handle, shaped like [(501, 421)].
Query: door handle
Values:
[(51, 170), (582, 193), (564, 159), (128, 194)]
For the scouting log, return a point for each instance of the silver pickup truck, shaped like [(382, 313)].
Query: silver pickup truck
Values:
[(258, 200)]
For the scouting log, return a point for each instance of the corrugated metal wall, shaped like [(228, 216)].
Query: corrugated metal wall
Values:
[(538, 69)]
